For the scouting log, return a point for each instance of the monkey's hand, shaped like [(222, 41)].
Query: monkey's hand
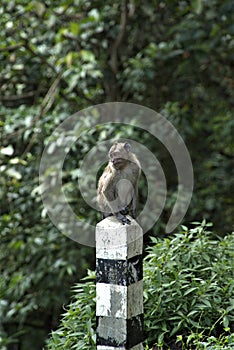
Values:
[(123, 219)]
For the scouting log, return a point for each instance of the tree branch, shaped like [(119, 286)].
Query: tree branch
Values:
[(114, 50), (11, 48), (18, 97), (45, 106)]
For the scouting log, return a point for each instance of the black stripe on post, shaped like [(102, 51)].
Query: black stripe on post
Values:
[(135, 327), (120, 272)]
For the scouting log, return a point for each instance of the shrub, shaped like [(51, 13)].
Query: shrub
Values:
[(77, 329), (188, 286), (224, 342)]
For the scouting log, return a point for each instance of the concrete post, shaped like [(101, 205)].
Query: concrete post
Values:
[(119, 287)]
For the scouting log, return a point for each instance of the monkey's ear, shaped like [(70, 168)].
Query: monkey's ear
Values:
[(127, 147)]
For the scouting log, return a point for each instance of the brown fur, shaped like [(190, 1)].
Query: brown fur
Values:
[(118, 185)]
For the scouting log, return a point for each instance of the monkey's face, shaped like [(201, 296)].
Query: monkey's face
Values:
[(119, 154)]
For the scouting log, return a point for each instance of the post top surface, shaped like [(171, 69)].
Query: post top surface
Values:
[(112, 222)]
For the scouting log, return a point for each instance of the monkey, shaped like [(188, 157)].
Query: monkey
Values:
[(118, 185)]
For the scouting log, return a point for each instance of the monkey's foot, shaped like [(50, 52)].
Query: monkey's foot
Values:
[(124, 210), (123, 219)]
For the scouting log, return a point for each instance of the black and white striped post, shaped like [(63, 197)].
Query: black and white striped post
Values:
[(119, 288)]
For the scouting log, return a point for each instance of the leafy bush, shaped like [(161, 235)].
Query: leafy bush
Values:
[(77, 329), (209, 343), (188, 296), (189, 286)]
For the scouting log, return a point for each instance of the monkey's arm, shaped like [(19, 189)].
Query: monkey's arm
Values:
[(106, 193), (103, 189)]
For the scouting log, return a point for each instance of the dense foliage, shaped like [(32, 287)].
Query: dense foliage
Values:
[(188, 296), (78, 326), (189, 290), (57, 57)]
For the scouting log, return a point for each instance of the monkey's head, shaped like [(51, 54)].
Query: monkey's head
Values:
[(119, 154)]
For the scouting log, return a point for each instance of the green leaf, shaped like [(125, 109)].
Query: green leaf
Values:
[(74, 27), (7, 151), (197, 6), (12, 172), (39, 7), (190, 290)]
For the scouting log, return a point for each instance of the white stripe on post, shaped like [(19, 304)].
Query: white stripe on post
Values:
[(119, 287)]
